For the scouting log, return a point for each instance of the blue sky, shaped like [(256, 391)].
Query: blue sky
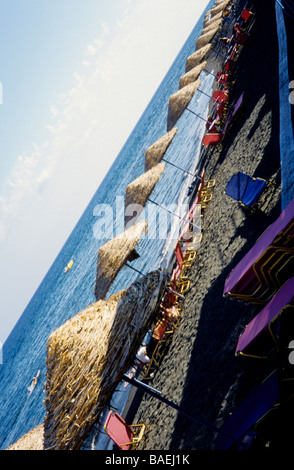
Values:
[(64, 66)]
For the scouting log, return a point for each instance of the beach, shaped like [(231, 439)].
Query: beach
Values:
[(200, 380), (199, 371)]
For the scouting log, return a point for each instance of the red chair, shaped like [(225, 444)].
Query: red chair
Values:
[(229, 65), (246, 14), (212, 139), (220, 96), (222, 77), (126, 437)]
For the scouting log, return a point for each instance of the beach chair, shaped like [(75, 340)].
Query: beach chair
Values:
[(205, 198), (246, 15), (212, 139), (161, 336), (245, 189), (229, 65), (179, 285), (220, 96), (184, 261), (193, 243), (126, 437), (209, 184)]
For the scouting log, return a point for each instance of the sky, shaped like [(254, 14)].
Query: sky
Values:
[(67, 71)]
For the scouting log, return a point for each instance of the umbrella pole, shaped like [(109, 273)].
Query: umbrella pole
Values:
[(218, 128), (167, 288), (176, 293), (211, 97), (134, 269), (173, 213), (218, 53), (158, 395), (185, 171)]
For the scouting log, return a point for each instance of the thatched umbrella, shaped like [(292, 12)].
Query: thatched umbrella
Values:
[(219, 8), (192, 75), (155, 153), (197, 57), (32, 440), (206, 38), (214, 24), (88, 356), (139, 190), (113, 255), (179, 101), (213, 19)]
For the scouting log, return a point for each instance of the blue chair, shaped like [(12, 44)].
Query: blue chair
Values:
[(245, 189)]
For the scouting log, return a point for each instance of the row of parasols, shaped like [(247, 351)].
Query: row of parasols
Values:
[(88, 356)]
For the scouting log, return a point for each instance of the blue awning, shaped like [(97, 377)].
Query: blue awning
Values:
[(256, 405)]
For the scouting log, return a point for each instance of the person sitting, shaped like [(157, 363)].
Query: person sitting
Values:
[(239, 34), (225, 41), (141, 360), (211, 125)]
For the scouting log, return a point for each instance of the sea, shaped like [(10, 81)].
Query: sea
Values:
[(61, 296)]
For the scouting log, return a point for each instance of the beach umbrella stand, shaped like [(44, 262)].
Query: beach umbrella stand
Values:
[(212, 98), (158, 395), (182, 169), (167, 288), (173, 213), (197, 115)]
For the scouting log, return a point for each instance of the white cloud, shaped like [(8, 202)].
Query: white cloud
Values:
[(90, 50), (91, 119), (105, 27), (89, 125), (54, 111)]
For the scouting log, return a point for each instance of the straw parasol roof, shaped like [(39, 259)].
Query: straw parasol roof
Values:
[(139, 190), (33, 440), (179, 101), (217, 9), (214, 24), (197, 57), (155, 153), (192, 75), (206, 38), (216, 17), (88, 356), (113, 255)]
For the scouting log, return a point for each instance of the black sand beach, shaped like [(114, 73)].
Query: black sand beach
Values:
[(200, 372)]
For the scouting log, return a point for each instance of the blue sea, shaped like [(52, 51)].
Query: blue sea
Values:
[(61, 296)]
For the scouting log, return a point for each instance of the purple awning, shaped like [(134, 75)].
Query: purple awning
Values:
[(264, 241), (266, 316)]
